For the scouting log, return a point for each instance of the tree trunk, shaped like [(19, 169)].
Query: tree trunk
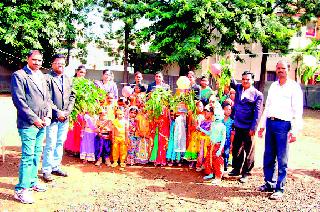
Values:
[(125, 59), (263, 68)]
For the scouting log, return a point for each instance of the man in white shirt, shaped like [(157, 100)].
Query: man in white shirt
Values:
[(282, 119)]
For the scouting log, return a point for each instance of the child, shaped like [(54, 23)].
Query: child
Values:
[(143, 132), (133, 147), (171, 156), (120, 140), (204, 139), (87, 149), (180, 131), (205, 91), (160, 142), (228, 122), (194, 135), (104, 126), (214, 159)]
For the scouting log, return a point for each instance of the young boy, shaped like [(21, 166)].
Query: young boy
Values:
[(228, 122)]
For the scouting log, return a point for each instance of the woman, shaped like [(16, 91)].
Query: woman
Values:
[(106, 83), (72, 144)]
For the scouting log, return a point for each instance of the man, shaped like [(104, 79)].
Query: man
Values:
[(62, 99), (193, 85), (248, 109), (282, 119), (31, 98), (138, 82), (158, 77)]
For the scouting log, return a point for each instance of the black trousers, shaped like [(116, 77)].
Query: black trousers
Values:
[(242, 151)]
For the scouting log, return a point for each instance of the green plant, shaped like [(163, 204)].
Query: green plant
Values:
[(157, 101), (224, 78), (88, 97), (186, 98), (316, 106)]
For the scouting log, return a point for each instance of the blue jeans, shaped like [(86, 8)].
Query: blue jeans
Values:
[(276, 149), (53, 151), (31, 148)]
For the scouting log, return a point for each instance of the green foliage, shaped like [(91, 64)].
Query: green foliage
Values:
[(157, 101), (39, 24), (224, 78), (88, 97), (316, 106), (305, 71), (187, 98)]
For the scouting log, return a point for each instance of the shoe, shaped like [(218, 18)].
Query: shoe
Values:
[(107, 162), (122, 165), (59, 173), (115, 164), (265, 188), (170, 164), (276, 195), (24, 196), (39, 188), (98, 163), (208, 177), (234, 173), (243, 179), (47, 177), (216, 182)]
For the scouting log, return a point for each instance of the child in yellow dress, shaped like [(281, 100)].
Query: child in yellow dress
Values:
[(120, 139)]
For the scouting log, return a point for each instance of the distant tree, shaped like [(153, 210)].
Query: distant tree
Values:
[(47, 25)]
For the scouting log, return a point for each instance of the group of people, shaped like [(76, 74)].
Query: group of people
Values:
[(125, 134)]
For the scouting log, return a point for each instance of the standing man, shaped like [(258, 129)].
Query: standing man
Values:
[(248, 109), (62, 99), (193, 85), (282, 119), (31, 98), (158, 82)]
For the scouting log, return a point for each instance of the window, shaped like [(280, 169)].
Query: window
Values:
[(271, 76)]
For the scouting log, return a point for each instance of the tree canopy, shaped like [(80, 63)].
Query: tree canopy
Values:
[(46, 25)]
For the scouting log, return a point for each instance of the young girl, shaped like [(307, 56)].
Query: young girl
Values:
[(194, 135), (160, 142), (180, 131), (133, 147), (143, 132), (104, 126), (171, 156), (120, 140), (87, 149), (214, 159), (204, 139), (228, 122)]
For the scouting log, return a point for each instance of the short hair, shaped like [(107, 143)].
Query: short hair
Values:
[(35, 51), (136, 73), (106, 71), (56, 56), (284, 62), (248, 73), (225, 104), (158, 72)]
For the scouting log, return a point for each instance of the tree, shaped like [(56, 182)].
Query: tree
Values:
[(45, 25), (129, 12)]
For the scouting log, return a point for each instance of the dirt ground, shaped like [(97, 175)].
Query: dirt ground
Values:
[(148, 188)]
